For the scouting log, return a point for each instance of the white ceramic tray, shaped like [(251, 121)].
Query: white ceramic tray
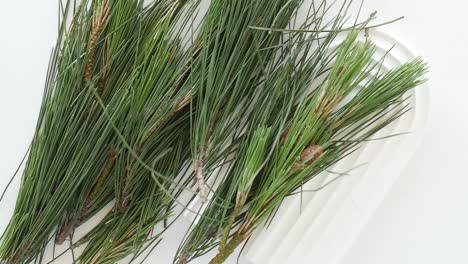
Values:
[(330, 219)]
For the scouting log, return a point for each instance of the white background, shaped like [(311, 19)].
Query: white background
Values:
[(424, 218)]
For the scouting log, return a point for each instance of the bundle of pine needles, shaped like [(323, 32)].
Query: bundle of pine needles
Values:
[(145, 102)]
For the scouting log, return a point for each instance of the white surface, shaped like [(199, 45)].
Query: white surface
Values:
[(424, 217)]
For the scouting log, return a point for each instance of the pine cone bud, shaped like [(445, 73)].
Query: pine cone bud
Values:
[(284, 135), (311, 154), (308, 156)]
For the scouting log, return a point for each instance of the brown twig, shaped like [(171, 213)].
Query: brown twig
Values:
[(183, 259), (110, 161), (124, 197), (20, 253), (65, 231), (99, 23), (106, 71)]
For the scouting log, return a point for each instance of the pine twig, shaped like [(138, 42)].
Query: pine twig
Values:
[(227, 230), (100, 182), (65, 231), (200, 180), (227, 251), (20, 253), (98, 26)]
